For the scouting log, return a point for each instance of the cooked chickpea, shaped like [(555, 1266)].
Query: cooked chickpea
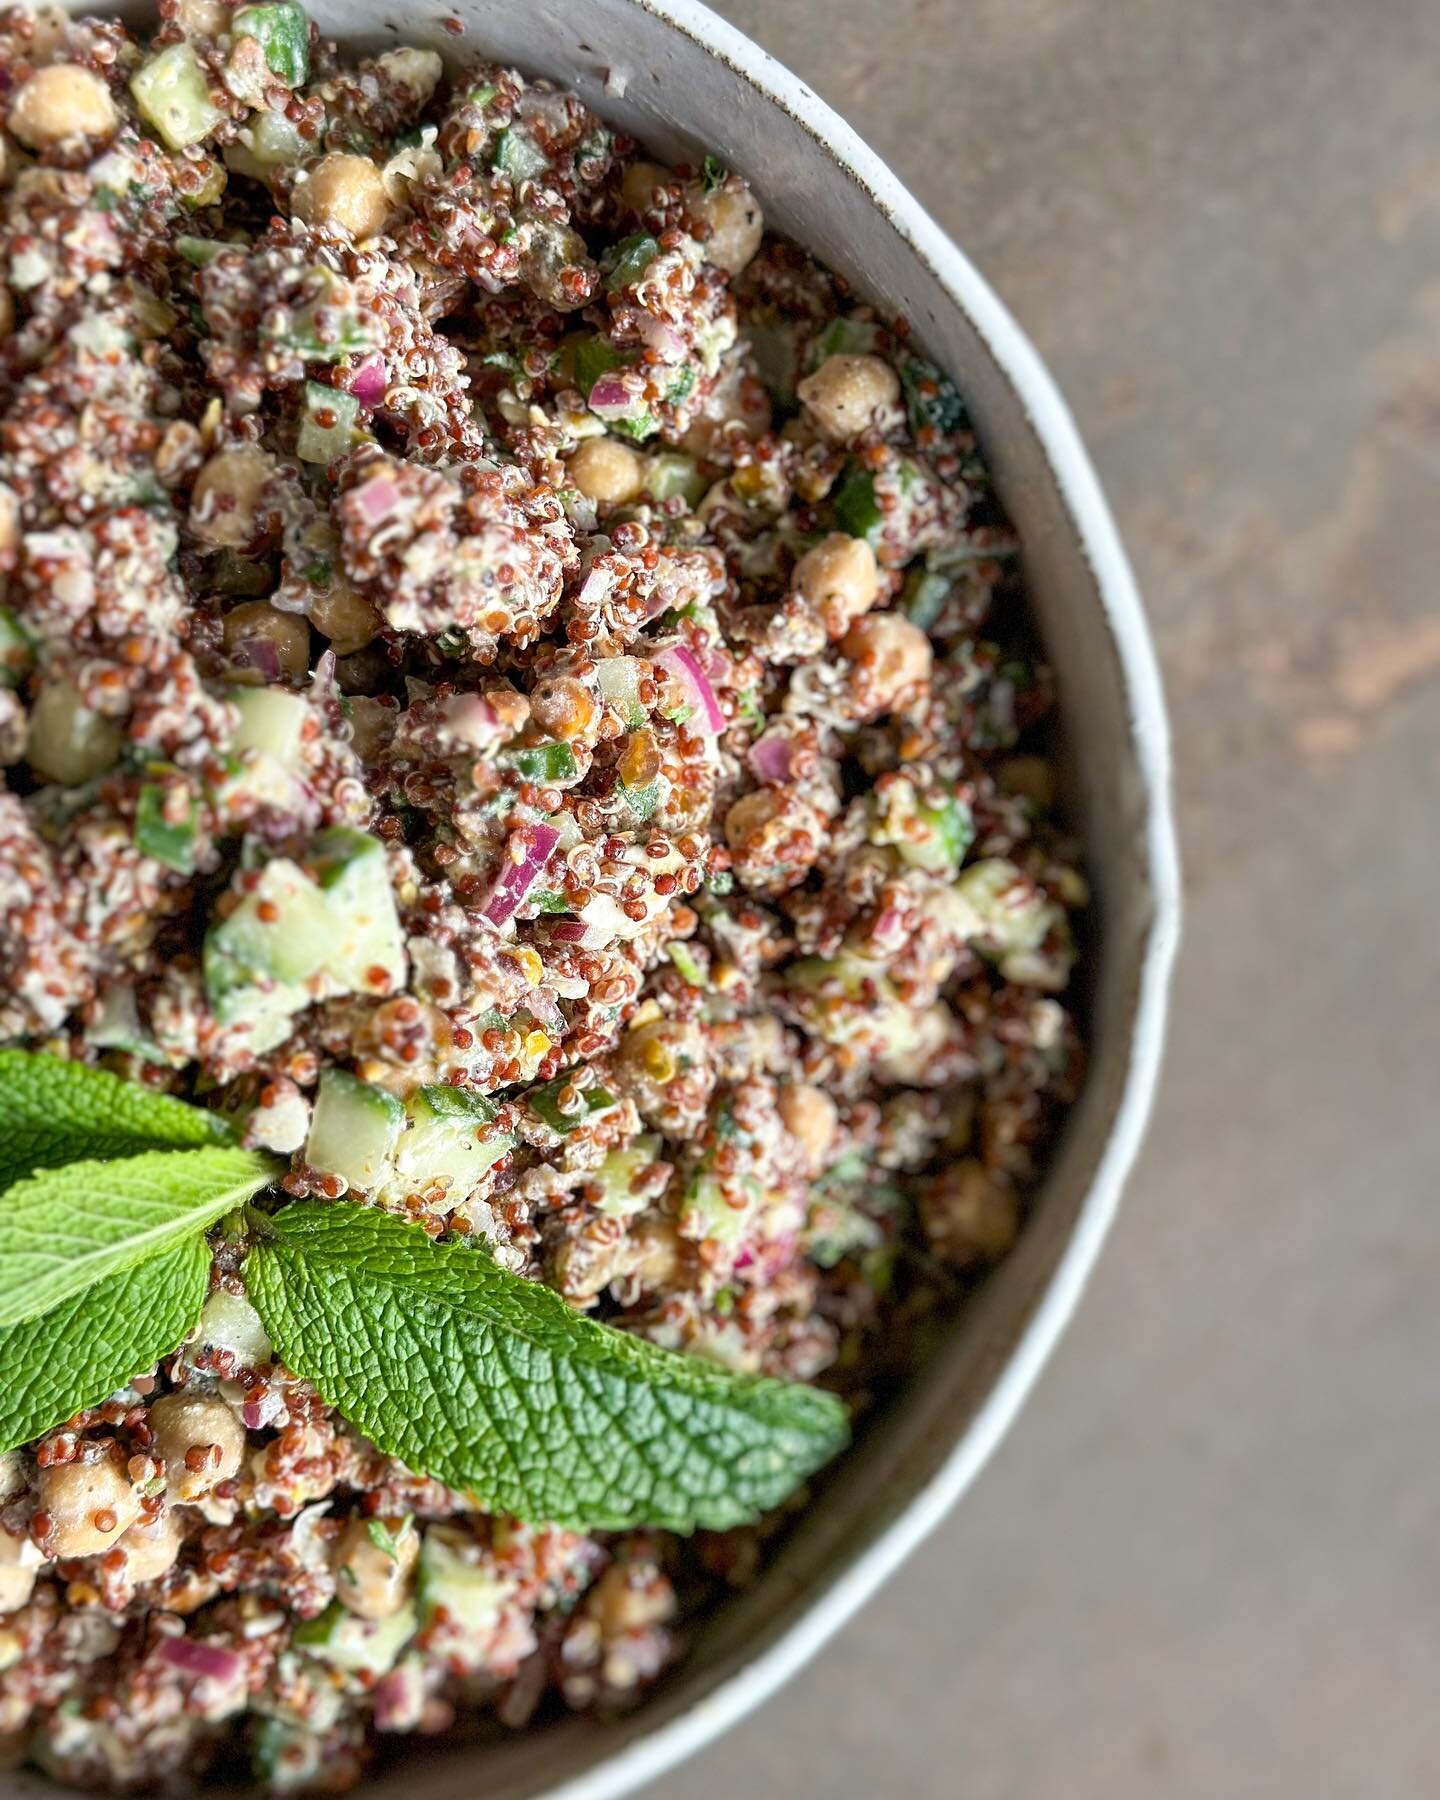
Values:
[(200, 1440), (151, 1550), (844, 394), (226, 502), (345, 617), (548, 264), (663, 1068), (968, 1215), (20, 1562), (810, 1116), (373, 1579), (775, 835), (892, 658), (202, 18), (60, 103), (736, 225), (839, 579), (9, 524), (88, 1505), (372, 725), (563, 706), (67, 741), (346, 191), (257, 620), (653, 1254), (1029, 776), (639, 182), (606, 471), (630, 1597)]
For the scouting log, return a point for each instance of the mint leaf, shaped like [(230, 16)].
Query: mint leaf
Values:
[(491, 1383), (54, 1112), (81, 1351), (64, 1231)]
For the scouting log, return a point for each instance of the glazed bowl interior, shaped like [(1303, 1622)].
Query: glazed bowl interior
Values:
[(687, 85)]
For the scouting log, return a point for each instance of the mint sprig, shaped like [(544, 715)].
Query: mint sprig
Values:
[(80, 1352), (67, 1230), (492, 1384), (465, 1372), (54, 1112)]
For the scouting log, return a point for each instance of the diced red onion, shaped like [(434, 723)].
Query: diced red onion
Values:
[(769, 758), (663, 339), (611, 396), (682, 663), (205, 1662), (377, 498), (542, 1008), (517, 879), (369, 380), (399, 1698), (472, 719), (258, 653)]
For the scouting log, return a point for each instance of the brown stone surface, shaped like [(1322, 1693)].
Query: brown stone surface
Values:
[(1206, 1564)]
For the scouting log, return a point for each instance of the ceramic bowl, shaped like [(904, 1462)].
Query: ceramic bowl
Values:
[(686, 83)]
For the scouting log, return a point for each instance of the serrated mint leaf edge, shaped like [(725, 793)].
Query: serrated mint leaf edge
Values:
[(69, 1229), (54, 1112), (81, 1352), (506, 1394)]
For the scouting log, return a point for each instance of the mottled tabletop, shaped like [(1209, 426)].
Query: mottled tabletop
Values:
[(1206, 1562)]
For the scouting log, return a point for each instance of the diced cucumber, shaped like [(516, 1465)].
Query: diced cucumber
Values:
[(930, 834), (354, 1129), (619, 681), (17, 649), (708, 1214), (117, 1025), (519, 156), (318, 442), (169, 840), (619, 1170), (542, 762), (366, 940), (545, 1103), (199, 252), (286, 1757), (924, 595), (354, 1645), (328, 327), (267, 141), (844, 337), (644, 425), (283, 33), (271, 720), (856, 509), (446, 1141), (173, 95), (669, 475), (470, 1594), (282, 931), (633, 256)]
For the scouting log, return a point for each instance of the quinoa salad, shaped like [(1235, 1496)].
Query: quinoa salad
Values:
[(515, 697)]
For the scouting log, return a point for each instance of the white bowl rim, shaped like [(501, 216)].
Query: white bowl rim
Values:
[(652, 1754)]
